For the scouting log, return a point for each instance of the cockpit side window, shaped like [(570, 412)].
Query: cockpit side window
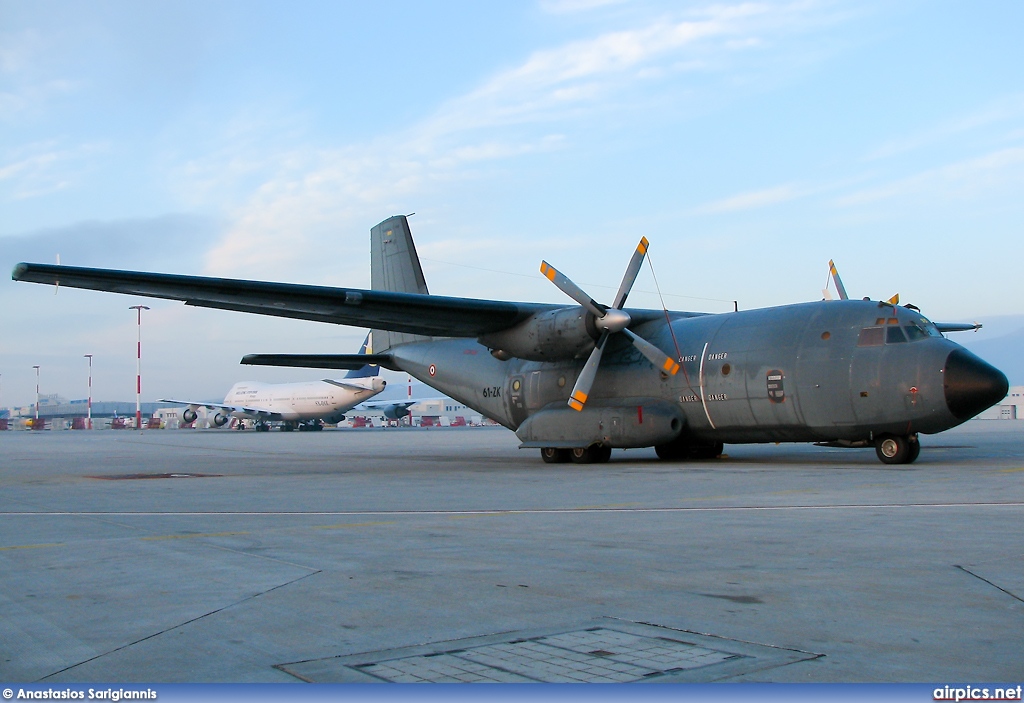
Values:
[(894, 335), (915, 332), (871, 337)]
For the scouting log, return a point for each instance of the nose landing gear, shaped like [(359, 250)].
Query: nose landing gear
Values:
[(897, 449)]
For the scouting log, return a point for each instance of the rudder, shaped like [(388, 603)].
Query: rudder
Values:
[(394, 267)]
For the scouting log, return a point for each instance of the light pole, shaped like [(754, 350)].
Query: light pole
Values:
[(88, 422), (138, 369), (36, 367)]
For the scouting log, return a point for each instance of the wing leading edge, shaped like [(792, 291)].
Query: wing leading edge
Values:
[(431, 315)]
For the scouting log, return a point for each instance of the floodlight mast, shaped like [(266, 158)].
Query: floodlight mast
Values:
[(88, 422), (138, 367), (36, 367)]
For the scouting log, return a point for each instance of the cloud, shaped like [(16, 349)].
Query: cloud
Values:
[(1009, 107), (567, 7), (961, 179), (25, 94), (38, 169), (755, 199), (304, 197)]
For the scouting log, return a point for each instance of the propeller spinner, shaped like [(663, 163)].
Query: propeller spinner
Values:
[(610, 320)]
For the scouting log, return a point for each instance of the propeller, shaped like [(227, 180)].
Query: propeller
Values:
[(609, 320)]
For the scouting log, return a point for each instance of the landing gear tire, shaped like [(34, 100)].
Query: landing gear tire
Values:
[(554, 455), (594, 454), (896, 449), (672, 451), (915, 450), (707, 452), (679, 450)]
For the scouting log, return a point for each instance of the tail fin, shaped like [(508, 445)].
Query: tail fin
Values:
[(369, 370), (394, 267)]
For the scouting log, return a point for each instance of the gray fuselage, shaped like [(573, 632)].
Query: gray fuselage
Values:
[(822, 371)]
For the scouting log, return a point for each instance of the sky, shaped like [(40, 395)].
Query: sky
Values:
[(750, 142)]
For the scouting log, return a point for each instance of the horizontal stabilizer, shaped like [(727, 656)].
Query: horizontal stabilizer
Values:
[(320, 361)]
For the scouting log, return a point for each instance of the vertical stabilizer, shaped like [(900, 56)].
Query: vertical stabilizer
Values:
[(369, 370), (394, 267)]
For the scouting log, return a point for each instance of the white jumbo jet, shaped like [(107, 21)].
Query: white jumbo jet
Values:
[(295, 405)]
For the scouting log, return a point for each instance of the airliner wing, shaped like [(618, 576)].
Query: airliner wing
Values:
[(414, 313), (246, 409), (320, 361)]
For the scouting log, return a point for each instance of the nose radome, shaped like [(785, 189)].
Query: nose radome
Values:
[(971, 385)]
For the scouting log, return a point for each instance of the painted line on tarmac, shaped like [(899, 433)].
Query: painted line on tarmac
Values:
[(516, 511)]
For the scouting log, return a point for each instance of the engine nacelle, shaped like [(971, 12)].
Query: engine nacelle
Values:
[(189, 415), (554, 335), (218, 419), (396, 412)]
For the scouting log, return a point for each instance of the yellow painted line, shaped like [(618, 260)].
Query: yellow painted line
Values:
[(353, 524), (208, 534), (32, 546), (795, 490), (1010, 471)]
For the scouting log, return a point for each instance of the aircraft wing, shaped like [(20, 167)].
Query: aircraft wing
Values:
[(430, 315), (957, 326), (248, 410)]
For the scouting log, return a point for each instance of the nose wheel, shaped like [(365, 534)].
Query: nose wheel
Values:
[(897, 449)]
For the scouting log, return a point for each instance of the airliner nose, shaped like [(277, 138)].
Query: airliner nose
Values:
[(971, 385)]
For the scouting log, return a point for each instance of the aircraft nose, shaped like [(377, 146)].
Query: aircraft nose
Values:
[(971, 385)]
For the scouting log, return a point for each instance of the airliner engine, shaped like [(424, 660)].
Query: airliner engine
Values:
[(396, 412)]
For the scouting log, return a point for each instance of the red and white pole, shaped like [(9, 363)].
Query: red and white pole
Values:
[(88, 422), (138, 369)]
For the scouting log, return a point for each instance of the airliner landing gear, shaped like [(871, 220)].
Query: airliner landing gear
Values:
[(261, 426), (310, 426), (897, 449)]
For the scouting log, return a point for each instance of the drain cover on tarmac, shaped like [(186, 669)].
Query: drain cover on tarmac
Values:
[(613, 651)]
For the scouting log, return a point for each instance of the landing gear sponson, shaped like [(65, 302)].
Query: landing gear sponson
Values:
[(890, 448)]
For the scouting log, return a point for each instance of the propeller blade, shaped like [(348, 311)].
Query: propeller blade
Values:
[(581, 390), (840, 288), (632, 270), (661, 361), (571, 289)]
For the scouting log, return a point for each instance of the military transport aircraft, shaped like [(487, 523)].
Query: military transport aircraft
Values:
[(577, 380), (291, 405)]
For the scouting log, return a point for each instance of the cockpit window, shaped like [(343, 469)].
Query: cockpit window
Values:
[(894, 335), (915, 332), (871, 337)]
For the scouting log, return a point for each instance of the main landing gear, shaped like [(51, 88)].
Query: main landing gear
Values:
[(305, 426), (897, 449), (680, 449), (594, 454)]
